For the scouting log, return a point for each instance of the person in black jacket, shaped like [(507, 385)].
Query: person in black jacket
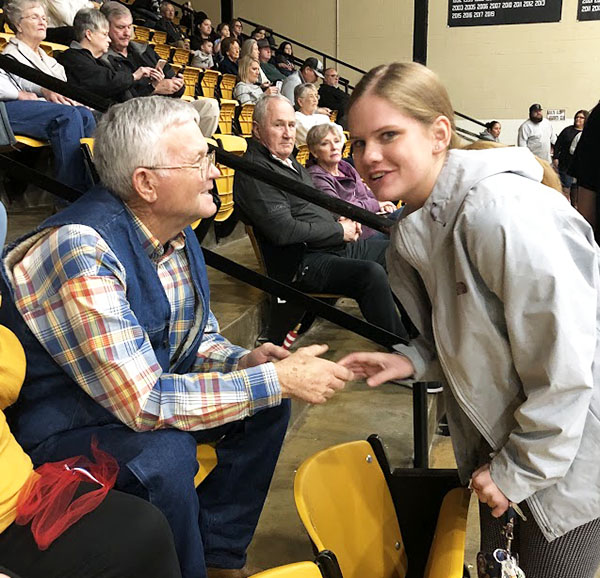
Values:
[(562, 156), (126, 56), (165, 23), (332, 97), (334, 259), (85, 68)]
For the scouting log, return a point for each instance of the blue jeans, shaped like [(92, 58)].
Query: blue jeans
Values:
[(214, 524), (63, 126)]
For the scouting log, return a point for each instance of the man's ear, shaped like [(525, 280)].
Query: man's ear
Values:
[(144, 184), (255, 130)]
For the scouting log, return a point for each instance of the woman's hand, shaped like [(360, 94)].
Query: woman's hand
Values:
[(378, 367), (387, 206), (488, 492)]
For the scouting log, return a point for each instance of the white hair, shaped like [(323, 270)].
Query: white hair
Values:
[(261, 108), (128, 136)]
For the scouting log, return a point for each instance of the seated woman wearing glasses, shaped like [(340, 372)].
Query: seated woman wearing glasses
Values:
[(35, 111)]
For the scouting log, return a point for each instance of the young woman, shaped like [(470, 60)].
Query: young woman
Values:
[(284, 58), (501, 278), (247, 89), (491, 132)]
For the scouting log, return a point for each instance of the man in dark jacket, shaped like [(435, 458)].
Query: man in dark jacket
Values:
[(331, 96), (334, 260), (174, 34)]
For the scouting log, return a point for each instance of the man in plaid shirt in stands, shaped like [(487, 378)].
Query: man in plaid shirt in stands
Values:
[(110, 300)]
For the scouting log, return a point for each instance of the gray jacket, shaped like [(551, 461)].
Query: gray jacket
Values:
[(502, 275)]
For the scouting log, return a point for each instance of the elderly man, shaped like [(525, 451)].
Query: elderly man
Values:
[(127, 56), (110, 300), (537, 134), (331, 96), (165, 23), (310, 71), (334, 261)]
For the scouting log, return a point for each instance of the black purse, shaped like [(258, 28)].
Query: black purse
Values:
[(501, 563)]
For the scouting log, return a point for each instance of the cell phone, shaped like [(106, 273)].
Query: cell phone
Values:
[(160, 64), (278, 85)]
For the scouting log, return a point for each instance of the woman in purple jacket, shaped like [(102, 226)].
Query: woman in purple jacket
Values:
[(338, 178)]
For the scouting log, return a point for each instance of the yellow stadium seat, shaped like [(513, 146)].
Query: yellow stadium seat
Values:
[(159, 36), (245, 117), (27, 141), (226, 115), (163, 50), (141, 33), (297, 570), (190, 77), (207, 460), (209, 82), (52, 48), (236, 145), (302, 154), (227, 84), (333, 115), (347, 146), (181, 56), (359, 524)]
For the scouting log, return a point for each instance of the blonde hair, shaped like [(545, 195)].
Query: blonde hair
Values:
[(244, 65), (412, 88), (550, 178)]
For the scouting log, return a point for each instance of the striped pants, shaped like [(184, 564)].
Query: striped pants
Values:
[(574, 555)]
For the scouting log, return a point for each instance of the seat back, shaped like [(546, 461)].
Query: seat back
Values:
[(141, 33), (159, 36), (345, 505), (297, 570), (190, 78), (226, 115), (302, 154), (181, 56), (245, 117), (236, 145), (163, 50), (347, 146), (209, 82), (227, 85), (333, 115)]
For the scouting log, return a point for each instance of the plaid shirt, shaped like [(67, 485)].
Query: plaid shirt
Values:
[(71, 291)]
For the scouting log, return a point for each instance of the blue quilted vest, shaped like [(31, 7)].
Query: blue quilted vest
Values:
[(50, 401)]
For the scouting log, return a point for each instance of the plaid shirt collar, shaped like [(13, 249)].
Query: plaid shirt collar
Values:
[(151, 245)]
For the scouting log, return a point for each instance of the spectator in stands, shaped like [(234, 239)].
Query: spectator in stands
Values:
[(38, 112), (338, 178), (537, 133), (247, 89), (332, 97), (335, 260), (236, 30), (491, 132), (127, 56), (259, 33), (85, 67), (310, 72), (562, 156), (230, 48), (203, 58), (500, 277), (222, 32), (204, 30), (121, 536), (250, 48), (165, 23), (264, 55), (586, 169), (149, 383), (308, 114), (60, 15), (147, 10), (284, 59)]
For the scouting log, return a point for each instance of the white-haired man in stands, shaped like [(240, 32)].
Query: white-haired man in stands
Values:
[(334, 260), (110, 300), (128, 56)]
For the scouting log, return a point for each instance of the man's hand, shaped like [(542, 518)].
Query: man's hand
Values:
[(488, 492), (168, 85), (24, 95), (263, 354), (147, 72), (352, 230), (52, 96), (378, 367), (303, 375)]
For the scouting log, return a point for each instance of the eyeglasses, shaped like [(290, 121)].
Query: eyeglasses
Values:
[(203, 166), (36, 18)]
